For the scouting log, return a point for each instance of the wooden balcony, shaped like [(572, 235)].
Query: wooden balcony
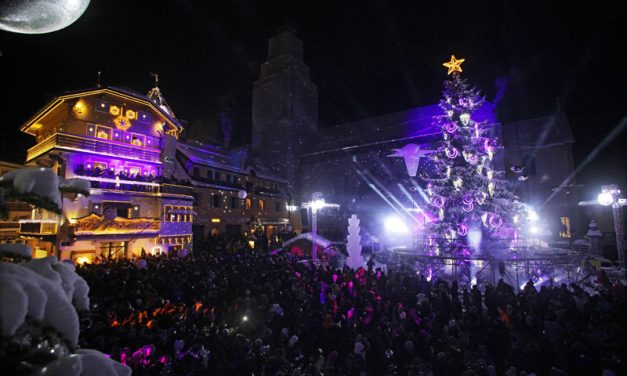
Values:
[(9, 226), (38, 227), (94, 146), (98, 225)]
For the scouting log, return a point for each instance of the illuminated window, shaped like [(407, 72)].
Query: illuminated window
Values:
[(113, 249), (135, 171), (261, 205), (565, 230), (137, 140), (103, 132), (100, 165), (248, 203)]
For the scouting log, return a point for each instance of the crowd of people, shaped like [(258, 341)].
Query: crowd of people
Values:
[(248, 313), (123, 179)]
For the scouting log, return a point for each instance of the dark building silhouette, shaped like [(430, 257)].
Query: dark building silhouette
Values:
[(285, 108)]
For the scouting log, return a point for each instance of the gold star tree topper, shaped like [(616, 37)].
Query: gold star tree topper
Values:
[(454, 65)]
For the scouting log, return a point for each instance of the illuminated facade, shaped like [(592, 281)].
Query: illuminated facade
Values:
[(124, 143), (16, 211), (231, 195), (151, 191)]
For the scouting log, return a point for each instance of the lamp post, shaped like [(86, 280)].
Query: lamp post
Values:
[(317, 202), (610, 195)]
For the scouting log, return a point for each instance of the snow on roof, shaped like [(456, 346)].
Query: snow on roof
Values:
[(160, 106), (207, 154), (157, 98)]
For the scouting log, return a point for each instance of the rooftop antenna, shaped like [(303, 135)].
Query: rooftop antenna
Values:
[(156, 77), (98, 76)]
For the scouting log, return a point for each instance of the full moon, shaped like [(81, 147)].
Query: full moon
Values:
[(39, 16)]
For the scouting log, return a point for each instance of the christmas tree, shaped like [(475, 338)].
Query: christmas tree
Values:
[(466, 191)]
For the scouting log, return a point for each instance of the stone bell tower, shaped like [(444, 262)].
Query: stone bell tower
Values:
[(285, 109)]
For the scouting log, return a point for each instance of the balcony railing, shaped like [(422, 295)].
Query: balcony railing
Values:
[(9, 226), (94, 145), (38, 227), (137, 186), (94, 224)]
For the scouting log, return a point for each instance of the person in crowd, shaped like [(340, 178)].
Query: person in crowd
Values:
[(244, 312)]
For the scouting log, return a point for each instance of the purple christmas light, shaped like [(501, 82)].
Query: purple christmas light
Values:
[(452, 153), (438, 201)]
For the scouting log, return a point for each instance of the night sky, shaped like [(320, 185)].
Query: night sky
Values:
[(367, 58)]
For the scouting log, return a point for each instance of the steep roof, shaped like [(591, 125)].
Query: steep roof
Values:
[(211, 155), (125, 93), (157, 98), (398, 126)]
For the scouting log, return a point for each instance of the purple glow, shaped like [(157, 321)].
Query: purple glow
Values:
[(496, 221), (452, 153), (438, 201), (462, 230), (468, 207), (450, 127)]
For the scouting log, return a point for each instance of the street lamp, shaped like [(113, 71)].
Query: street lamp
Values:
[(610, 195)]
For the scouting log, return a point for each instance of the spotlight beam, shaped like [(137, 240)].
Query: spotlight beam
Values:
[(618, 129)]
